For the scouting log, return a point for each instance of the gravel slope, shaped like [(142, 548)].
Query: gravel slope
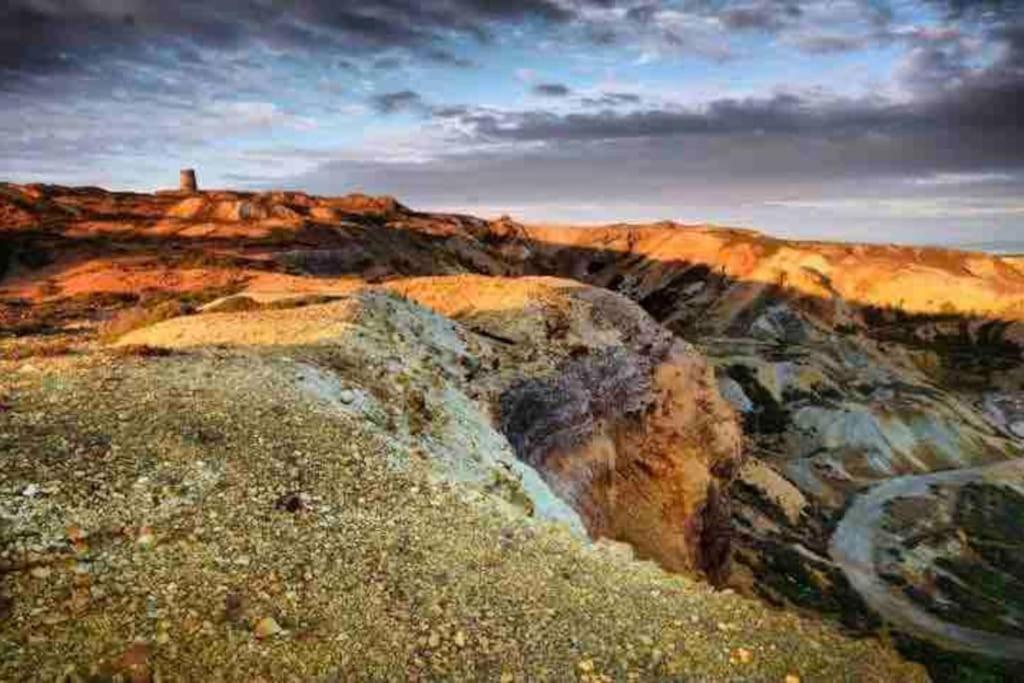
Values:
[(205, 516)]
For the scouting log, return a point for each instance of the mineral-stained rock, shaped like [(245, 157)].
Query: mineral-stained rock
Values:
[(640, 446), (622, 420)]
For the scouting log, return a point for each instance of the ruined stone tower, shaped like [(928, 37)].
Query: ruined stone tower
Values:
[(188, 181)]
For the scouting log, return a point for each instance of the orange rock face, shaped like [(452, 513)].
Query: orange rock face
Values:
[(622, 420), (917, 280), (656, 478)]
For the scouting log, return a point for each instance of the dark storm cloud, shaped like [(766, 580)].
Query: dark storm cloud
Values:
[(852, 188), (757, 148), (40, 36), (774, 15), (37, 36), (551, 89), (697, 170), (778, 114), (772, 137), (954, 102)]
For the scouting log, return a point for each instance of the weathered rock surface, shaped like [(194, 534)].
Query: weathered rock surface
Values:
[(621, 420)]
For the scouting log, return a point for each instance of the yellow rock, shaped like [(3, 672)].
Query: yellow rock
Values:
[(266, 628)]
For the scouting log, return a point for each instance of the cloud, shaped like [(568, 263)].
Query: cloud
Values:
[(761, 16), (77, 34), (643, 13), (611, 99), (440, 56), (787, 185), (905, 207), (856, 164), (400, 100), (964, 113), (781, 113), (988, 9), (89, 37), (551, 89), (824, 44), (960, 179)]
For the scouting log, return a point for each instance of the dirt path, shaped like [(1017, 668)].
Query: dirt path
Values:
[(856, 540)]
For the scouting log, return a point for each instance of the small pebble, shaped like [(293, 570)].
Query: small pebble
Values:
[(40, 572), (267, 627), (145, 537)]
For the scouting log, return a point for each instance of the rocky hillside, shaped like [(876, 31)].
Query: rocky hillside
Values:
[(443, 388), (622, 421)]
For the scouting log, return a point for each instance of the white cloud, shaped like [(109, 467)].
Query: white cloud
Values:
[(253, 114), (909, 207), (952, 179)]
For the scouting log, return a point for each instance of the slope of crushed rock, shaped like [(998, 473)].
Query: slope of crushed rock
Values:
[(377, 357), (204, 515)]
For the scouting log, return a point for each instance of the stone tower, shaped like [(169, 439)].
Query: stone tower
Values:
[(188, 181)]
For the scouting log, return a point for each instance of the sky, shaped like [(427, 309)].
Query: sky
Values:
[(873, 120)]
